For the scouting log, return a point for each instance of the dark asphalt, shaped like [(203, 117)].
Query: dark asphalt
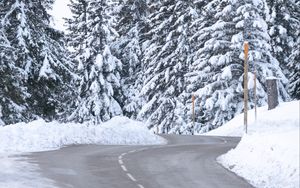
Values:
[(185, 162)]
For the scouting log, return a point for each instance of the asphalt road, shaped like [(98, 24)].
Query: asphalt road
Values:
[(185, 162)]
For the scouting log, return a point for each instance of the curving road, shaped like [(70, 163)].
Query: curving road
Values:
[(185, 162)]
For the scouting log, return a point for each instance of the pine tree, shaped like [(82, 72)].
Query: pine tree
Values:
[(218, 65), (12, 91), (77, 28), (294, 58), (100, 82), (128, 49), (164, 64), (294, 66), (197, 39), (40, 52), (284, 29)]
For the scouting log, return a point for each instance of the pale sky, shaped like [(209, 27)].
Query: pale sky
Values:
[(60, 10)]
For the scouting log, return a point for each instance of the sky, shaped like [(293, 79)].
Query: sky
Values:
[(60, 11)]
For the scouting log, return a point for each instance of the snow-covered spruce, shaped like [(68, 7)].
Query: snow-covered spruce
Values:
[(99, 89), (131, 20), (216, 75), (182, 48), (12, 90), (41, 84), (164, 64), (284, 29), (294, 66)]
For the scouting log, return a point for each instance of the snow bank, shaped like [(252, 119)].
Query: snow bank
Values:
[(17, 172), (284, 117), (269, 161), (268, 156), (39, 135)]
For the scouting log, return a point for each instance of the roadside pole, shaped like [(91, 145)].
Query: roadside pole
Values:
[(255, 94), (193, 109), (246, 50)]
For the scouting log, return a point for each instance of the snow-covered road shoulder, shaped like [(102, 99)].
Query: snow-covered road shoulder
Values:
[(268, 156), (40, 136)]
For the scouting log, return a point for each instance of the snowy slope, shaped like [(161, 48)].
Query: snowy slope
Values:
[(284, 117), (268, 156)]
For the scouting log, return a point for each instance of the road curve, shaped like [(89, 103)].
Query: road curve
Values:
[(185, 162)]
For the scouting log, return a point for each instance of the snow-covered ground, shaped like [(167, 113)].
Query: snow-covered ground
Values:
[(268, 156), (40, 136)]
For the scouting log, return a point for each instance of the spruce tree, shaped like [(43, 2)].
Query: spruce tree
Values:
[(128, 49), (284, 29), (284, 26), (218, 64), (294, 66), (294, 58), (100, 77), (40, 53), (165, 49), (197, 39), (12, 92)]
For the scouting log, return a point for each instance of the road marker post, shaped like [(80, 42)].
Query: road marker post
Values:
[(255, 94), (193, 109), (246, 51)]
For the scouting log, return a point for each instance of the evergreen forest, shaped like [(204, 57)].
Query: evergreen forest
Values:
[(145, 59)]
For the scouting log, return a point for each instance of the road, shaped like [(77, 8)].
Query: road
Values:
[(185, 162)]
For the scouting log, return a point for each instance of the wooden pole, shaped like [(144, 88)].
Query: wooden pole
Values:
[(193, 108), (246, 50)]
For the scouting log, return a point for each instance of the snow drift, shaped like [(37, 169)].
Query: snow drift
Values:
[(40, 136), (268, 156), (17, 172)]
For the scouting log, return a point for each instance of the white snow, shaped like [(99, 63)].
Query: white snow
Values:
[(226, 74), (59, 12), (46, 70), (39, 135), (99, 61), (268, 156), (17, 172), (271, 78)]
